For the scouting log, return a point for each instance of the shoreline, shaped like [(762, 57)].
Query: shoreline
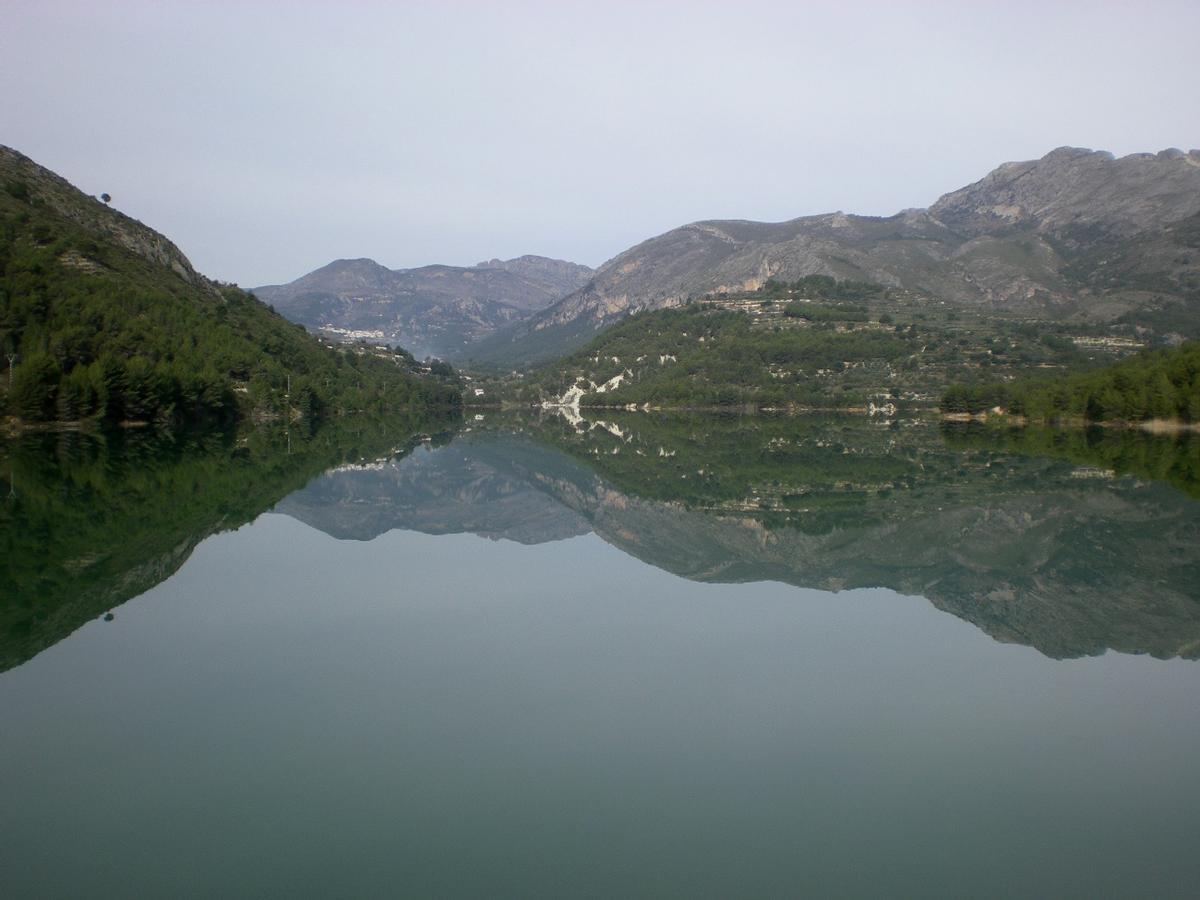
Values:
[(1150, 426)]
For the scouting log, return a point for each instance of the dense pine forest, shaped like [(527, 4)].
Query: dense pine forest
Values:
[(1162, 384), (103, 320)]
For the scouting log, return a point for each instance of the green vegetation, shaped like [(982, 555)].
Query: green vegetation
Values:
[(806, 472), (822, 287), (820, 473), (816, 343), (698, 355), (1163, 384), (88, 521), (92, 330), (815, 312), (1174, 459)]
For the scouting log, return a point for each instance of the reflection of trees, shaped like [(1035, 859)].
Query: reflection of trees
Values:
[(1050, 550), (98, 520)]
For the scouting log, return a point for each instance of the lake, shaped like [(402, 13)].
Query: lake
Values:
[(625, 655)]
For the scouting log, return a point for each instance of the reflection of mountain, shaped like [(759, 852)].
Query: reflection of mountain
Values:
[(1069, 571), (1032, 551), (1048, 551), (468, 486), (87, 523)]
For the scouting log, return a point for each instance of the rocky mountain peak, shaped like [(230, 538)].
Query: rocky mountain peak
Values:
[(532, 265), (1074, 186)]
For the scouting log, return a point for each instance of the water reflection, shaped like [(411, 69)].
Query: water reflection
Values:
[(1035, 537), (88, 521)]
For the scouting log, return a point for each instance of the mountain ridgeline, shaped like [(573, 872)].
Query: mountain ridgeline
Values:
[(1077, 236), (433, 310), (104, 319)]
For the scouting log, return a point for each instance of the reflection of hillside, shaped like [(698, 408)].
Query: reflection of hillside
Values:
[(1069, 571), (1172, 458), (1034, 551), (87, 523), (1052, 552)]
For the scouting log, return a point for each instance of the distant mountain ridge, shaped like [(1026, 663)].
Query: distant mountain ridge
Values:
[(432, 310), (1078, 233)]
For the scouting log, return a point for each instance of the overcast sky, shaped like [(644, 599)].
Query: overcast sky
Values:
[(268, 138)]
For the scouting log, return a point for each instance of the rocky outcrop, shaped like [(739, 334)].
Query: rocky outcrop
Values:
[(551, 278), (1072, 187)]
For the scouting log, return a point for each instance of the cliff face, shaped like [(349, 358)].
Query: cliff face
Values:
[(432, 310), (1075, 233)]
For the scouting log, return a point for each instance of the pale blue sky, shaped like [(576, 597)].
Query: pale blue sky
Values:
[(268, 138)]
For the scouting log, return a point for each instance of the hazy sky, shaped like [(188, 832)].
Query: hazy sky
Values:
[(268, 138)]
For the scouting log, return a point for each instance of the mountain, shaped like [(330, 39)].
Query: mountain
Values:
[(432, 310), (1077, 234), (30, 188), (104, 319)]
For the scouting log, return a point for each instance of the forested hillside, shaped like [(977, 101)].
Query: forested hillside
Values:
[(1164, 384), (816, 342), (103, 319)]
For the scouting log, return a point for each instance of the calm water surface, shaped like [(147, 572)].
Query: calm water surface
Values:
[(503, 665)]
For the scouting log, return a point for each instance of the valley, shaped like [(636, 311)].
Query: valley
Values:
[(568, 450), (438, 311)]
